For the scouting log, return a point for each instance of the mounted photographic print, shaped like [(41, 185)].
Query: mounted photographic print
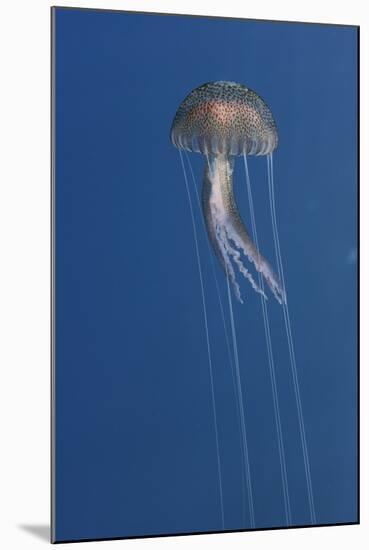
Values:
[(204, 274)]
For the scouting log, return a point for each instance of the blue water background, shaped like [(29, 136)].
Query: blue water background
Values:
[(135, 448)]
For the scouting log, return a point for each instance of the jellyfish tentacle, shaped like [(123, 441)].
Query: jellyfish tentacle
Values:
[(241, 409), (290, 342), (226, 230), (232, 364), (272, 370), (210, 362)]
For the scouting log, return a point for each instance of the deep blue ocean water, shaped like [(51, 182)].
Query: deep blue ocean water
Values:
[(135, 449)]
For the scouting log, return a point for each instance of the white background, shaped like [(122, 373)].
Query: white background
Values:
[(24, 271)]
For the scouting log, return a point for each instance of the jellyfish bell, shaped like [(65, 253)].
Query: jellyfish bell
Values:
[(224, 117), (222, 120)]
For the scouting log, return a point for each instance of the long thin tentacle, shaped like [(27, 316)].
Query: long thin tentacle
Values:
[(291, 349), (232, 367), (240, 400), (277, 415), (211, 375), (215, 201)]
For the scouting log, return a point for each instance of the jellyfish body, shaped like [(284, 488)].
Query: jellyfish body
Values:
[(223, 120)]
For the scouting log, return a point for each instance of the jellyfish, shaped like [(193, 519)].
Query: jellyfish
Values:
[(224, 120)]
